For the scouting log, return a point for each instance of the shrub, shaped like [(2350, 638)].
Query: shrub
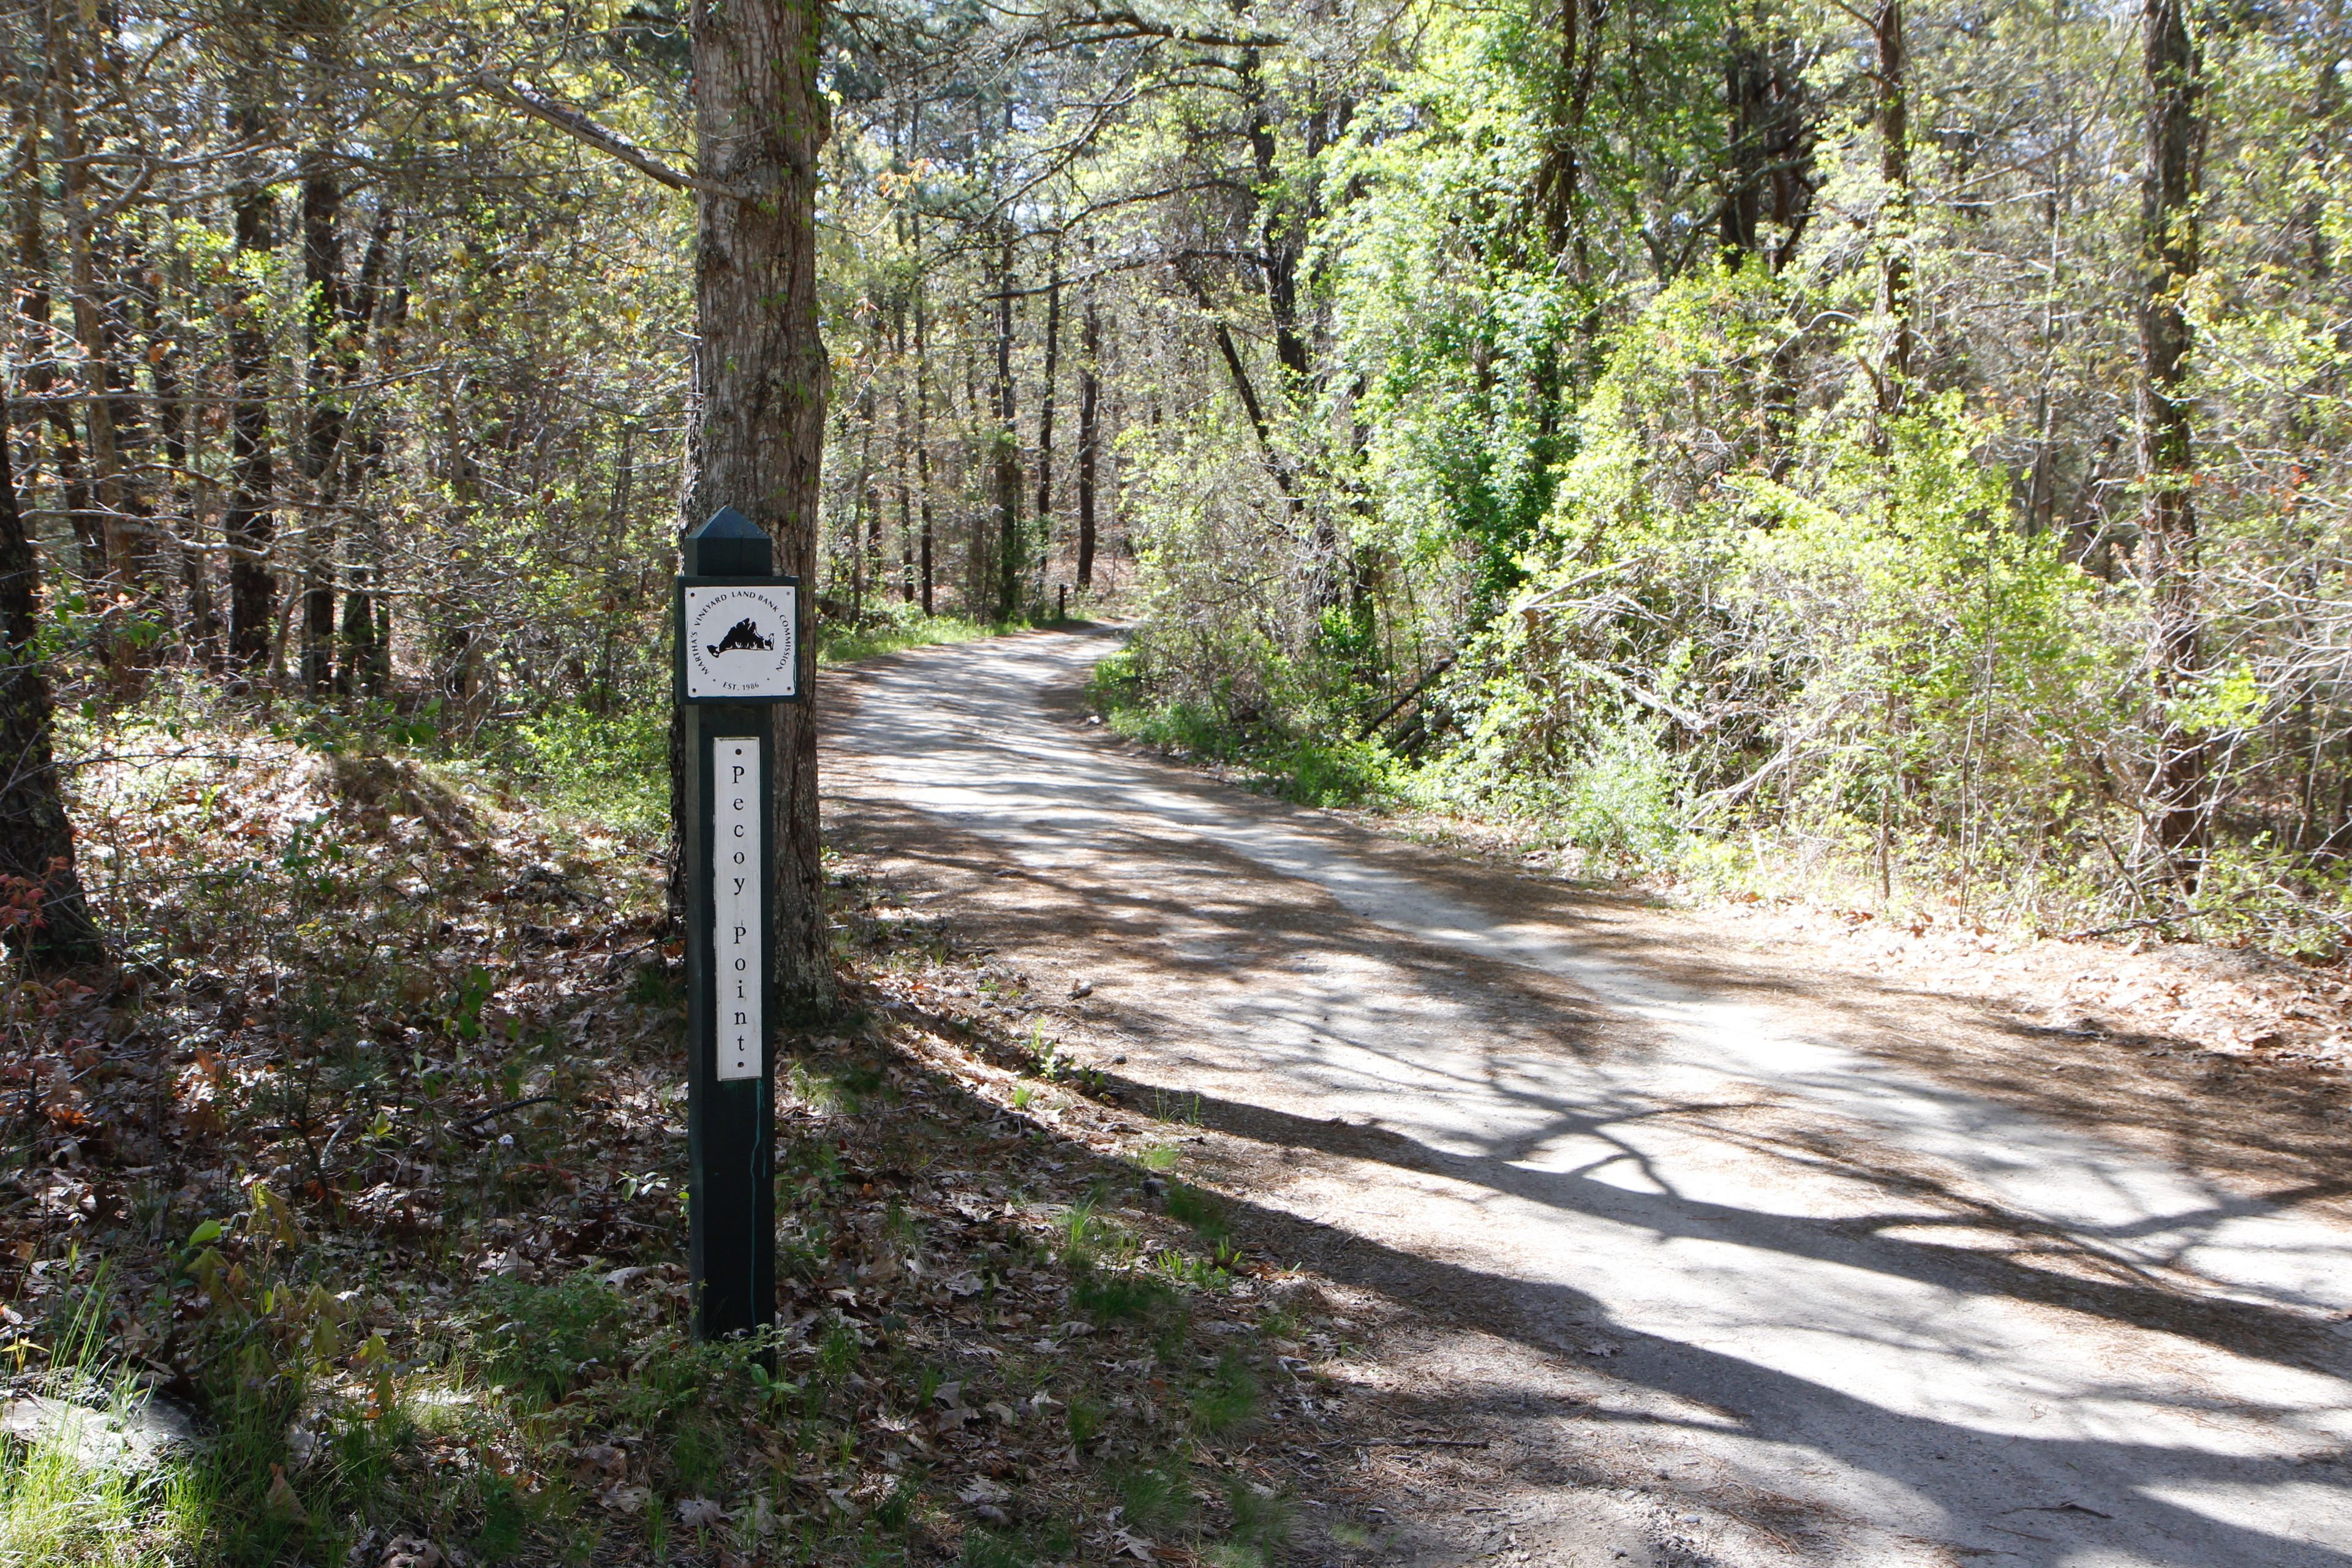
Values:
[(545, 1341)]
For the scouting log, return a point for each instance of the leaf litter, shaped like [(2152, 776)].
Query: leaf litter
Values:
[(372, 1156)]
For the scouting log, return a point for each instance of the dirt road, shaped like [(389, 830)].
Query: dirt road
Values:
[(1722, 1269)]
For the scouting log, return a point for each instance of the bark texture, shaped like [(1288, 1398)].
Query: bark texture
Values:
[(760, 375), (36, 838)]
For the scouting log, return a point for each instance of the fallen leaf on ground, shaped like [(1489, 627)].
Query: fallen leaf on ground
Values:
[(412, 1551), (601, 1462), (283, 1504)]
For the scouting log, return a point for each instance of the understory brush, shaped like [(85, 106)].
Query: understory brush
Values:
[(1305, 757), (893, 626)]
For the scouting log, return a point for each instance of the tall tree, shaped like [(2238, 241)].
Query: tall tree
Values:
[(322, 318), (1045, 406), (760, 373), (34, 304), (923, 436), (36, 848), (1089, 432), (249, 525), (1891, 79), (1769, 187), (1005, 450), (90, 300), (2169, 246)]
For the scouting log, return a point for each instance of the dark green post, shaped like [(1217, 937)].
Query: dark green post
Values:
[(737, 651)]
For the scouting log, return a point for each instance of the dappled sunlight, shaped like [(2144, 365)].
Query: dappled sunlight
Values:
[(1905, 1299)]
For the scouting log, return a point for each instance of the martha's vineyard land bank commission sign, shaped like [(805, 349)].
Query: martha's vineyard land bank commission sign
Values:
[(741, 641)]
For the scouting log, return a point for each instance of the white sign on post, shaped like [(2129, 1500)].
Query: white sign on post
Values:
[(735, 944), (739, 643)]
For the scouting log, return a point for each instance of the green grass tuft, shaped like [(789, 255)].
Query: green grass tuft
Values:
[(1228, 1399)]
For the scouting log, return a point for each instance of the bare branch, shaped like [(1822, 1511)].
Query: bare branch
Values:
[(574, 124)]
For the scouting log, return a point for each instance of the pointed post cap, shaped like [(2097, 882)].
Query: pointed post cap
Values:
[(728, 545), (728, 523)]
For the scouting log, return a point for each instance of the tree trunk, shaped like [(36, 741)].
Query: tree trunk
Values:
[(1282, 241), (1894, 114), (1090, 434), (861, 504), (364, 664), (923, 442), (976, 475), (903, 467), (2178, 781), (1046, 409), (36, 847), (1011, 559), (35, 305), (1556, 176), (759, 377), (1557, 182), (1769, 188), (174, 422), (117, 505), (249, 524), (322, 317)]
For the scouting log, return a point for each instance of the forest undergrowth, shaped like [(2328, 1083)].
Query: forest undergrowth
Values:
[(1625, 816), (343, 1220), (2256, 970)]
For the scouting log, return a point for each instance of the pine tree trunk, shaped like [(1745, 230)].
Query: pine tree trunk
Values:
[(1011, 559), (922, 433), (36, 837), (1090, 434), (1046, 409), (903, 465), (759, 377)]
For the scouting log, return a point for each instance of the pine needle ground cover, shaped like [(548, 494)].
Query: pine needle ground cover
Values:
[(345, 1223)]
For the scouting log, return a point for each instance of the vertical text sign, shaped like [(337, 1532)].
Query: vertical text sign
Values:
[(736, 937)]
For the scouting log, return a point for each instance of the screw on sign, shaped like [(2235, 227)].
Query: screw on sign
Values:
[(738, 652)]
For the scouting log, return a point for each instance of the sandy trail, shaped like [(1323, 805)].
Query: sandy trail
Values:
[(1745, 1285)]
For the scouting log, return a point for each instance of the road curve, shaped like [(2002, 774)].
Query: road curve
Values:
[(1928, 1325)]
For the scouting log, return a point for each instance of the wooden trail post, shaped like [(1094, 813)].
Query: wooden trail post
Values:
[(739, 650)]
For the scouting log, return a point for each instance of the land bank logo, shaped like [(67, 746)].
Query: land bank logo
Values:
[(744, 633), (739, 642)]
